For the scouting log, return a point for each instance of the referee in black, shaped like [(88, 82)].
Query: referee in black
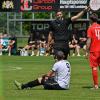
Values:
[(59, 32)]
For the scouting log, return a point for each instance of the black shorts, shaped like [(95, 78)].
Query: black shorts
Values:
[(64, 47), (64, 50), (51, 84), (82, 44)]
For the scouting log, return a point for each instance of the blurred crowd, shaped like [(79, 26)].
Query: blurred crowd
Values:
[(37, 44), (78, 42), (8, 43)]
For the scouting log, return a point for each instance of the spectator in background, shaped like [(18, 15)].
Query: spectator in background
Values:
[(37, 40), (5, 41), (1, 44), (33, 44), (82, 42), (30, 45), (73, 44), (37, 43), (8, 44), (50, 51), (30, 42), (42, 45), (12, 48)]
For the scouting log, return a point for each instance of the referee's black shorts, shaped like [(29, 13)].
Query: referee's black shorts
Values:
[(64, 47), (64, 50), (51, 84)]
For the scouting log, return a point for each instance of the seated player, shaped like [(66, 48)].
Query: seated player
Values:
[(56, 79)]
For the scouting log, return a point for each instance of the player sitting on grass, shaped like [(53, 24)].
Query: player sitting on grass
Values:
[(56, 79)]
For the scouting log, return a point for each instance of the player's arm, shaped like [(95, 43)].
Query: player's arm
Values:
[(12, 42), (80, 14), (88, 44), (50, 73)]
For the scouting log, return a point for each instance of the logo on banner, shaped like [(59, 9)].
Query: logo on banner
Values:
[(38, 5), (8, 4), (26, 5)]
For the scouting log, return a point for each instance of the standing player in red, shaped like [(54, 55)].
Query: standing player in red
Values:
[(93, 47)]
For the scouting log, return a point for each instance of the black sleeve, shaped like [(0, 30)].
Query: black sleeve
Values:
[(68, 20), (13, 39), (51, 26), (70, 36)]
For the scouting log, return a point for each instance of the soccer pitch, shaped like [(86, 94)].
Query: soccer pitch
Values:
[(25, 69)]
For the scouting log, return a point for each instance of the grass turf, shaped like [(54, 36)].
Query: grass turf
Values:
[(25, 69)]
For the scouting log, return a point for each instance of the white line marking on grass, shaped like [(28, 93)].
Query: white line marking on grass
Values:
[(15, 68), (25, 61), (11, 69)]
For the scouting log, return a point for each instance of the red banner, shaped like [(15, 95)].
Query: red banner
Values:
[(39, 5)]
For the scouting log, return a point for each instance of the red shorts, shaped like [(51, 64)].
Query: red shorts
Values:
[(94, 59)]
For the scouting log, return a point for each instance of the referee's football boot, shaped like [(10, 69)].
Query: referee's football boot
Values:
[(18, 85)]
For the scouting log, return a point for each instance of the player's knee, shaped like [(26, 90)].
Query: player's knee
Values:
[(40, 80)]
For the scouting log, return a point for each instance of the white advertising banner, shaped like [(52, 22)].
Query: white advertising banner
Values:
[(73, 4)]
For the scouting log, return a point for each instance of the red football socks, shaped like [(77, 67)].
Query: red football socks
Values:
[(95, 76)]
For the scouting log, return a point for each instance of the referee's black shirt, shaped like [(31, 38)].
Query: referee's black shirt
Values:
[(60, 32)]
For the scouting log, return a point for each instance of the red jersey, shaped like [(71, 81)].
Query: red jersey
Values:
[(94, 33)]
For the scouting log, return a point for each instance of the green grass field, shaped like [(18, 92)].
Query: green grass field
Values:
[(25, 69)]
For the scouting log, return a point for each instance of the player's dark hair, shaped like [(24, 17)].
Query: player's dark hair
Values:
[(94, 17), (59, 10), (60, 55)]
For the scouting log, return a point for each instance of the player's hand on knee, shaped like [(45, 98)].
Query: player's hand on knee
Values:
[(46, 78)]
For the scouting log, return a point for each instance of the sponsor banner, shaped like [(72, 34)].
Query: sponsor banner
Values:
[(39, 5), (42, 5), (40, 26), (28, 5), (73, 5)]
